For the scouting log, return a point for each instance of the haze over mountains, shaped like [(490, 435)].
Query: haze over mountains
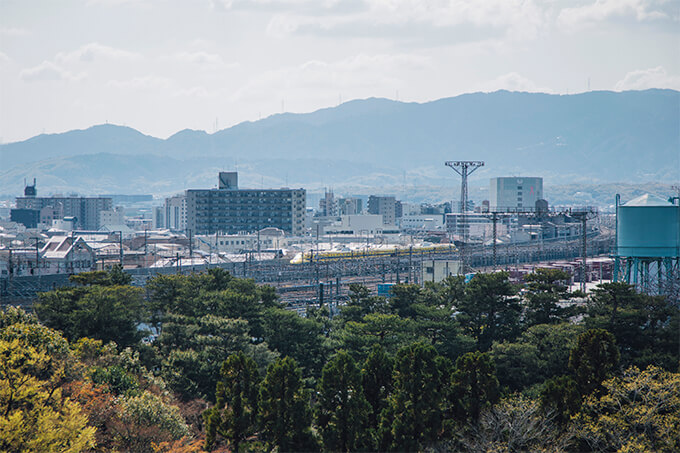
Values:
[(376, 145)]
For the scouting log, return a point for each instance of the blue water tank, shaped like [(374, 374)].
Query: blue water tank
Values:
[(648, 227)]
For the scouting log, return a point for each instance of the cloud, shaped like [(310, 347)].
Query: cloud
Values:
[(196, 91), (148, 82), (604, 10), (13, 31), (513, 82), (4, 58), (93, 51), (115, 3), (199, 57), (643, 79), (361, 75), (418, 20), (48, 71), (305, 7)]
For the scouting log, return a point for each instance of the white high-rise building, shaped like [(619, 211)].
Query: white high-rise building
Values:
[(510, 193), (176, 213)]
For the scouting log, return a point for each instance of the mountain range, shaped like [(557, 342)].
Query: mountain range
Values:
[(376, 145)]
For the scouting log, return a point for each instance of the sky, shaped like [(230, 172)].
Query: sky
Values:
[(161, 66)]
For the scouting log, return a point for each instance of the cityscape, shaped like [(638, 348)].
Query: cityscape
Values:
[(339, 226)]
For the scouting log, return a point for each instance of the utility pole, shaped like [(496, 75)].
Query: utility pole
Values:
[(494, 219), (464, 168), (191, 248), (583, 215), (120, 245), (37, 256)]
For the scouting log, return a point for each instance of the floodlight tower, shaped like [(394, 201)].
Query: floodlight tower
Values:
[(464, 168)]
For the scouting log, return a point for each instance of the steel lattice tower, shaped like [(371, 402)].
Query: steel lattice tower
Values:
[(464, 168)]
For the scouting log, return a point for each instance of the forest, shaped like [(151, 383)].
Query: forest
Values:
[(210, 362)]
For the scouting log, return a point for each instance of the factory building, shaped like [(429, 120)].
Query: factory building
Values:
[(514, 193), (229, 209), (86, 210)]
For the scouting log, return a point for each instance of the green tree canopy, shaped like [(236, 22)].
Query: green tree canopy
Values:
[(342, 411), (593, 359), (108, 313), (488, 311), (414, 416), (284, 408), (474, 385), (546, 287), (235, 415)]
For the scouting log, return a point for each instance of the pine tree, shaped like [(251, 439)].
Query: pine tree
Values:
[(343, 411), (235, 414), (376, 377), (414, 415), (284, 409), (474, 385)]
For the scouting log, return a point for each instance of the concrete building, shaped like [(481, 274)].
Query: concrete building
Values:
[(437, 270), (176, 213), (479, 226), (27, 217), (386, 206), (209, 211), (112, 217), (268, 239), (158, 217), (510, 193), (357, 225), (350, 206), (85, 209), (328, 206), (421, 222), (410, 209)]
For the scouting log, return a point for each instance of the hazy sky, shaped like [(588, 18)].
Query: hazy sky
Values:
[(165, 65)]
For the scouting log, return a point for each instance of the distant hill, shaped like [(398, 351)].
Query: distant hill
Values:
[(594, 137)]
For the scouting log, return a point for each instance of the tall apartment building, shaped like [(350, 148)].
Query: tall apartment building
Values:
[(158, 217), (176, 213), (328, 205), (388, 207), (514, 193), (233, 210), (86, 210)]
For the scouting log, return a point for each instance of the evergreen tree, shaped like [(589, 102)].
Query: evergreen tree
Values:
[(234, 416), (474, 385), (561, 397), (343, 411), (545, 290), (487, 311), (376, 377), (414, 416), (284, 409), (593, 359)]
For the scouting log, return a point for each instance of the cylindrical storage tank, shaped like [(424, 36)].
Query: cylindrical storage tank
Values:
[(648, 226)]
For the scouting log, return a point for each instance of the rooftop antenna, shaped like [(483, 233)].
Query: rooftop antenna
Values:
[(464, 168)]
